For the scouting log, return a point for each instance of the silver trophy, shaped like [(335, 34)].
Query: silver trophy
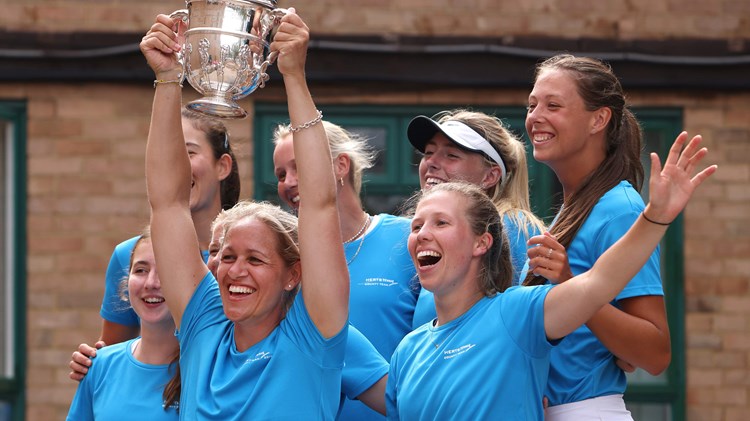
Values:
[(226, 51)]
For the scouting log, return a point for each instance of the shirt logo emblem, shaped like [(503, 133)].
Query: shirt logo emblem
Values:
[(455, 352)]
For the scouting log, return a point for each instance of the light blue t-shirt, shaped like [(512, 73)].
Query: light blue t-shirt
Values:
[(486, 364), (114, 309), (425, 310), (118, 386), (292, 374), (383, 292), (517, 240), (581, 367), (363, 367)]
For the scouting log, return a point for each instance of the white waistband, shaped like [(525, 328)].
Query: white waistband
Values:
[(610, 408)]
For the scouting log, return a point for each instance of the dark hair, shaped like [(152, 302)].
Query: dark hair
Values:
[(598, 87), (218, 137), (483, 217), (173, 388)]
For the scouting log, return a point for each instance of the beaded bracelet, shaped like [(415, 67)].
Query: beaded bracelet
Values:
[(309, 124), (643, 214)]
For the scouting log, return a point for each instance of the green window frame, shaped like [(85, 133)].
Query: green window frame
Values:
[(395, 178), (13, 261)]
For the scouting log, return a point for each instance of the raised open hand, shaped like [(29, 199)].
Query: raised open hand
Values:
[(671, 187)]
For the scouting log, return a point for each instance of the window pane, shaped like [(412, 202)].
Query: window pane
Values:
[(384, 203), (5, 411), (653, 142), (650, 411), (639, 377)]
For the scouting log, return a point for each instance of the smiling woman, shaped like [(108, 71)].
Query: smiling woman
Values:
[(474, 147), (458, 248), (215, 184), (246, 334), (383, 288), (139, 368), (581, 127)]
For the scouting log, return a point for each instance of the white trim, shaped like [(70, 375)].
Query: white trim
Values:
[(468, 138)]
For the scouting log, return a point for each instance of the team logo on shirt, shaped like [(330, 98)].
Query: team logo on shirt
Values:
[(262, 355), (455, 352), (378, 282), (175, 405)]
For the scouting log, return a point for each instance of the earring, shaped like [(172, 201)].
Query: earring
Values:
[(341, 180), (289, 286)]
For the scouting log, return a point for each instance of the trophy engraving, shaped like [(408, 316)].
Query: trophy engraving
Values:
[(227, 51)]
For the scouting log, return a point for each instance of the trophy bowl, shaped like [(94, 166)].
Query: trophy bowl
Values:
[(226, 51)]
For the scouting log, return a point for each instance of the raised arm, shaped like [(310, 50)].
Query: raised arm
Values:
[(168, 174), (325, 278), (572, 303)]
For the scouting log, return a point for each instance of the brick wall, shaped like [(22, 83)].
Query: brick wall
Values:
[(86, 193), (645, 19), (86, 190)]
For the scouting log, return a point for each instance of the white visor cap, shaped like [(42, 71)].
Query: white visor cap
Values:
[(421, 129)]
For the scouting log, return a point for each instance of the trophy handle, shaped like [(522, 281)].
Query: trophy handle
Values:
[(275, 21), (184, 17)]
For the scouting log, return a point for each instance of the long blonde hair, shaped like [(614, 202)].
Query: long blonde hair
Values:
[(511, 194)]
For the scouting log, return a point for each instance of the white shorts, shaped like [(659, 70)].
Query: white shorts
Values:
[(603, 408)]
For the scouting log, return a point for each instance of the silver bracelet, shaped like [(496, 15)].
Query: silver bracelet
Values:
[(307, 125)]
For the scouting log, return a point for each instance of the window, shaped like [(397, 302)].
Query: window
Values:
[(663, 397), (12, 262), (395, 177)]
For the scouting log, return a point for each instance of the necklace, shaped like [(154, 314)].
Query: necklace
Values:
[(361, 240), (432, 334), (434, 326), (361, 229)]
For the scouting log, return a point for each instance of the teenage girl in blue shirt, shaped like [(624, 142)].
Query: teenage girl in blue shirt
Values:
[(581, 127), (139, 376)]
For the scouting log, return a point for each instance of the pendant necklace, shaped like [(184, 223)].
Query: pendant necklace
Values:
[(446, 333), (432, 333), (362, 231)]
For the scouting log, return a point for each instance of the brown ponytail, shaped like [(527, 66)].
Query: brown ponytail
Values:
[(171, 394)]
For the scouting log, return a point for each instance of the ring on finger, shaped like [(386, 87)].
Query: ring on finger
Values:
[(549, 253)]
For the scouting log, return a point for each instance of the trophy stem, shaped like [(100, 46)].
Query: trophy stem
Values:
[(217, 106)]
